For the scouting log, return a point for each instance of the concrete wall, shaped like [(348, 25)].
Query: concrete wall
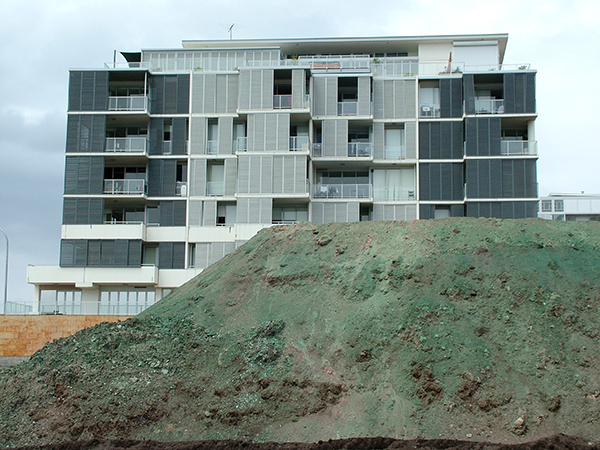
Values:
[(22, 336)]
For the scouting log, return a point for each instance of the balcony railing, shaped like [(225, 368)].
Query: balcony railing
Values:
[(428, 111), (128, 103), (342, 191), (181, 188), (299, 143), (214, 188), (519, 148), (317, 150), (132, 144), (359, 149), (394, 152), (240, 144), (489, 105), (212, 147), (347, 108), (282, 102), (125, 187), (393, 194)]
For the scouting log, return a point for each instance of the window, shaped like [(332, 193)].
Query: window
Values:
[(126, 301), (559, 205), (60, 301), (546, 205)]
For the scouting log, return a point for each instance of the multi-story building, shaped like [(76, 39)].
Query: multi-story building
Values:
[(177, 157), (573, 207)]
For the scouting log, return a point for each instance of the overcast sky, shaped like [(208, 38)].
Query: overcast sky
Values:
[(40, 40)]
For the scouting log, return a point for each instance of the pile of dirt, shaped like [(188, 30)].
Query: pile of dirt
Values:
[(472, 329)]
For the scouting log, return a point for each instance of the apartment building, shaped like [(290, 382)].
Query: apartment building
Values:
[(580, 207), (176, 157)]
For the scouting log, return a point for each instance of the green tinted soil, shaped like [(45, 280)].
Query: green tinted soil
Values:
[(459, 328)]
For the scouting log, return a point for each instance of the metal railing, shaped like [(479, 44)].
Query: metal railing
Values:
[(429, 110), (393, 194), (240, 144), (299, 143), (489, 105), (215, 188), (394, 152), (212, 147), (18, 308), (395, 67), (360, 149), (131, 144), (347, 108), (317, 150), (128, 103), (475, 68), (282, 102), (342, 191), (124, 187), (518, 148), (337, 63)]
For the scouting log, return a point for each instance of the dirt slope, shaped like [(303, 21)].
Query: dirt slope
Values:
[(463, 328)]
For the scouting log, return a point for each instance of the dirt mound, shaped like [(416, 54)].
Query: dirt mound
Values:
[(475, 329)]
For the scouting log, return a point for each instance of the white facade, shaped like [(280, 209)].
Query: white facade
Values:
[(575, 207)]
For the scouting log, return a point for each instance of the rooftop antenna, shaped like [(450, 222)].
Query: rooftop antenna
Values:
[(231, 31)]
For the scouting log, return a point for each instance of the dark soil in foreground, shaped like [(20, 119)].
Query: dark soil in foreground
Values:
[(558, 442), (467, 329)]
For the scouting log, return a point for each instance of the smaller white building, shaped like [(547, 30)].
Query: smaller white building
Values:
[(575, 207)]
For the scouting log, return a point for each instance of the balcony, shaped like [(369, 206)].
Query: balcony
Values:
[(299, 143), (240, 144), (393, 194), (125, 187), (429, 111), (518, 148), (215, 188), (128, 103), (360, 149), (394, 152), (489, 105), (132, 144), (342, 191), (212, 147)]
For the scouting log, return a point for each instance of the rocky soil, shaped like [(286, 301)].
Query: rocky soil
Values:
[(471, 329)]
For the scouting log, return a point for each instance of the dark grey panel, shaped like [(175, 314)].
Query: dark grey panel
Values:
[(84, 175), (165, 255), (156, 136), (67, 252), (441, 181), (162, 177), (469, 93), (426, 212), (94, 253), (121, 252), (179, 136), (483, 136), (179, 213), (134, 258), (88, 91), (107, 258), (451, 97), (86, 133), (178, 255)]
